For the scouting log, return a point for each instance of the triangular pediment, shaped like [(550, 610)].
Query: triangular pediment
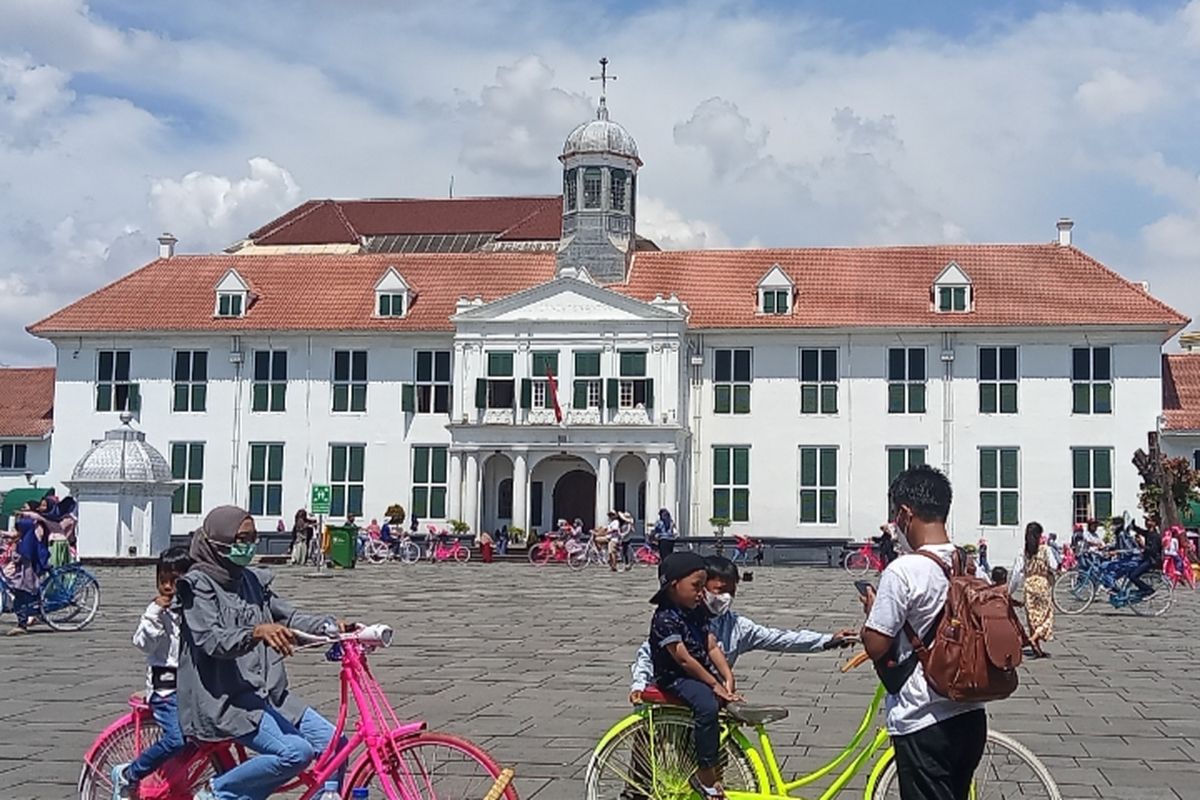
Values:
[(232, 282), (392, 281), (565, 300), (776, 278), (952, 275)]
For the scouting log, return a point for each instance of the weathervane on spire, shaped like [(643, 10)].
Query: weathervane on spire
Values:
[(604, 78)]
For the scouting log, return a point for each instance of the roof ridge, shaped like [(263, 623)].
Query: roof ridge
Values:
[(535, 213), (284, 220), (840, 248), (341, 214), (1184, 320), (436, 199), (44, 368)]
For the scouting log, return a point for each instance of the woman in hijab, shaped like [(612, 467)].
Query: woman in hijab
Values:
[(232, 683)]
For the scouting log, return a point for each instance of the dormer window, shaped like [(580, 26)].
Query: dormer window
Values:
[(775, 292), (392, 295), (952, 291), (233, 296)]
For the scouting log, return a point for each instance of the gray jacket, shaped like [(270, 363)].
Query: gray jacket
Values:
[(226, 678)]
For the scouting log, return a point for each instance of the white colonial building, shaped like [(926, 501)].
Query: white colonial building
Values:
[(509, 361)]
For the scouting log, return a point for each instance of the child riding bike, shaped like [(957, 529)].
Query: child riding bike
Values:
[(230, 685), (157, 636)]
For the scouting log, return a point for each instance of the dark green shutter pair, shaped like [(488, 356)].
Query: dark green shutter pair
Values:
[(408, 398)]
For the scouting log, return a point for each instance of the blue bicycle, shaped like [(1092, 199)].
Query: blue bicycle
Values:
[(1075, 589), (68, 597)]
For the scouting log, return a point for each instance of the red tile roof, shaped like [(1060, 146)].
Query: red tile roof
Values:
[(1013, 285), (26, 401), (537, 218), (1181, 391)]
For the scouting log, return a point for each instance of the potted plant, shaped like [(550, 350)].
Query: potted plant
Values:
[(720, 523), (516, 535), (458, 527)]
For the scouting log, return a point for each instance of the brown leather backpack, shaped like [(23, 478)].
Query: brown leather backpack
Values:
[(976, 648)]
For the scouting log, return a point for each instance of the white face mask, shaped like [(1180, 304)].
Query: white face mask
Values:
[(902, 545), (717, 604)]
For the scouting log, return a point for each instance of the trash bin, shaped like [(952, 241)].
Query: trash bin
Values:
[(343, 545)]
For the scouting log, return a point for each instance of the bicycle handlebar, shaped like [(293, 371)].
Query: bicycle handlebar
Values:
[(858, 660), (369, 635)]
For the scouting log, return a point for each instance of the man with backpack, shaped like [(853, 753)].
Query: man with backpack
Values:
[(925, 632)]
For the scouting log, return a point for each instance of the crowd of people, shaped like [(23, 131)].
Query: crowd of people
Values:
[(43, 537)]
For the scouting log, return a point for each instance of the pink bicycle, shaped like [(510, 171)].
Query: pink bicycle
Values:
[(400, 761), (861, 561), (442, 547)]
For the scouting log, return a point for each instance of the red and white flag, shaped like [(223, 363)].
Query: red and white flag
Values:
[(552, 388)]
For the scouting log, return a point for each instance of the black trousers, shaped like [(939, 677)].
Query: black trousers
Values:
[(665, 547), (938, 762), (1135, 577)]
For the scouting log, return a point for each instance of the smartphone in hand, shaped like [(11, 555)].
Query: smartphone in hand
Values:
[(863, 587)]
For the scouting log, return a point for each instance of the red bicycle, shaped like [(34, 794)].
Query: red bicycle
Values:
[(861, 561), (443, 547), (549, 548)]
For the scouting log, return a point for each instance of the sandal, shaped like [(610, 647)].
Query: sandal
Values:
[(715, 792)]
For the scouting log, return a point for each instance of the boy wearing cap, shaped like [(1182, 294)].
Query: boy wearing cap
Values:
[(688, 661)]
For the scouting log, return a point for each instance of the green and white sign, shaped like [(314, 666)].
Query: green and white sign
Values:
[(321, 495)]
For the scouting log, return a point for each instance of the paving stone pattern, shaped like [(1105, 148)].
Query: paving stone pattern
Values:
[(532, 662)]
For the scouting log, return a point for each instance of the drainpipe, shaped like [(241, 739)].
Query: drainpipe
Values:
[(695, 387), (236, 359), (947, 402)]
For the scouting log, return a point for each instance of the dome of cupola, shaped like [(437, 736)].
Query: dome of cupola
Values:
[(601, 135)]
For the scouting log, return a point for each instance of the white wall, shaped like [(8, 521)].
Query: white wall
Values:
[(37, 462)]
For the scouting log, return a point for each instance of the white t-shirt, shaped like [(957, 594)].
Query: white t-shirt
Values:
[(913, 589)]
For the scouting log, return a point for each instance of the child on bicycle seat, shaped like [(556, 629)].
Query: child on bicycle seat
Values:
[(688, 661), (157, 636), (231, 686), (738, 634)]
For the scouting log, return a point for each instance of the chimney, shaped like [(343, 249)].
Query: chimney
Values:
[(1065, 224), (166, 245)]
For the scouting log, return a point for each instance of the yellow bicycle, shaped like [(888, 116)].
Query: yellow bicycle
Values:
[(650, 755)]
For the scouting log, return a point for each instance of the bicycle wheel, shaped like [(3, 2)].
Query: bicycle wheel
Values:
[(69, 598), (857, 564), (1156, 603), (578, 559), (539, 554), (462, 554), (431, 766), (1007, 771), (408, 553), (179, 779), (1072, 592), (377, 552), (656, 761)]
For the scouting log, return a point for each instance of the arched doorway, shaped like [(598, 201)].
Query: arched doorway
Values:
[(575, 496)]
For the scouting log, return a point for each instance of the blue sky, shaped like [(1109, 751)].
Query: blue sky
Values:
[(776, 123)]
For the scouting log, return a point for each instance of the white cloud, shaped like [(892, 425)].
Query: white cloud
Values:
[(1111, 94), (671, 231), (730, 140), (30, 94)]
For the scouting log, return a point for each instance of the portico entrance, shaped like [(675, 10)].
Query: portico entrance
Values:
[(575, 498)]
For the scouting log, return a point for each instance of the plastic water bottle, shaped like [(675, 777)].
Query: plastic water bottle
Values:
[(359, 794), (330, 792)]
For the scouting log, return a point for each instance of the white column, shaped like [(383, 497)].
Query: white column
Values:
[(455, 488), (653, 484), (669, 490), (520, 493), (471, 493), (603, 490)]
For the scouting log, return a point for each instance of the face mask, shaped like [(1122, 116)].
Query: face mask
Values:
[(902, 545), (717, 604), (241, 553)]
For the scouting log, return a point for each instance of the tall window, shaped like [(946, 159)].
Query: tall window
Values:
[(497, 388), (191, 380), (906, 380), (536, 495), (543, 364), (587, 380), (999, 499), (346, 478), (429, 483), (731, 381), (818, 381), (616, 194), (902, 458), (187, 467), (818, 485), (504, 499), (997, 380), (349, 380), (1091, 474), (269, 392), (633, 388), (1091, 380), (776, 301), (114, 390), (570, 188), (266, 480), (952, 298), (433, 382), (731, 483), (12, 456), (592, 187)]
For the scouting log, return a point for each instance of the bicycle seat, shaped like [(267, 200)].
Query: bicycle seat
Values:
[(138, 702), (652, 694), (755, 715)]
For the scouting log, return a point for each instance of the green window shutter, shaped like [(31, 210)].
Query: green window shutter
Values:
[(357, 457), (196, 462), (135, 397), (587, 365), (722, 399), (408, 398), (181, 397), (829, 393), (988, 509), (808, 399), (1008, 508), (741, 505), (916, 398), (987, 398), (944, 298), (500, 365), (808, 505), (178, 461), (808, 466), (279, 397), (259, 394), (896, 398), (385, 305), (199, 397), (341, 396), (1008, 469), (1008, 398), (580, 398), (896, 463), (358, 397), (1103, 505), (337, 466), (916, 456), (633, 364), (1101, 469), (1081, 469), (741, 466), (1102, 397), (438, 461), (526, 393), (104, 397), (420, 502), (721, 466), (741, 399), (827, 512), (828, 466), (721, 503), (481, 392), (420, 465), (988, 477), (649, 393), (275, 463), (177, 500), (768, 299), (1081, 398), (258, 462), (614, 393)]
